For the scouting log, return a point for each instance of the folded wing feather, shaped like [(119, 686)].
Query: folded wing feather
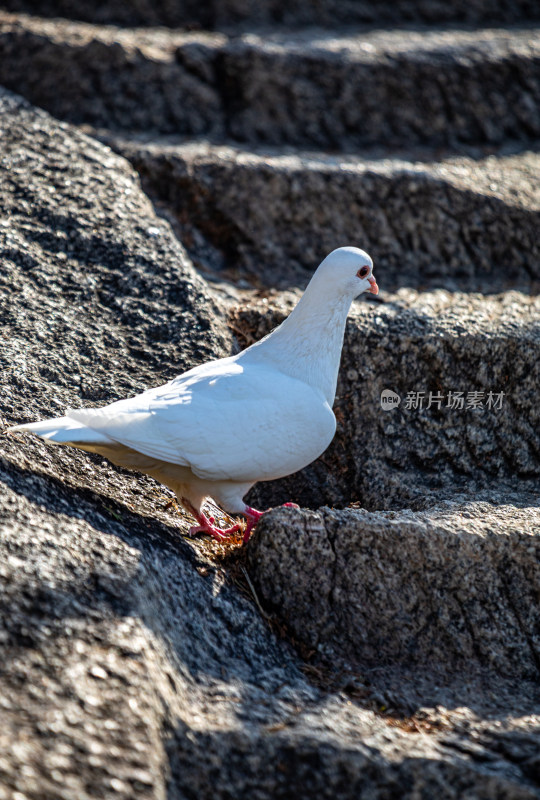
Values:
[(221, 423)]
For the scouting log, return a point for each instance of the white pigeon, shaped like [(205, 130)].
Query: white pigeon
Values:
[(219, 428)]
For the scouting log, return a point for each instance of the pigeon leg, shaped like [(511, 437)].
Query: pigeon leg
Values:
[(253, 516), (206, 524)]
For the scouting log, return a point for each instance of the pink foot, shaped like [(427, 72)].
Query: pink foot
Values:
[(206, 524), (253, 516), (195, 529)]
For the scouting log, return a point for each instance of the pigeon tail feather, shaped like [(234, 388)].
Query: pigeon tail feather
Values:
[(62, 430)]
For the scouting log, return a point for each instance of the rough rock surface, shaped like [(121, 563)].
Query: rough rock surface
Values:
[(132, 667), (132, 664), (391, 86), (331, 91), (464, 597), (136, 663), (109, 296), (302, 12), (463, 223), (89, 74)]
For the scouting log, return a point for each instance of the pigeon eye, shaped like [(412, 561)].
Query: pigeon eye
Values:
[(363, 272)]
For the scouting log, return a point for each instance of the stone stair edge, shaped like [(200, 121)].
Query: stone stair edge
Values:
[(274, 91), (468, 537), (420, 165), (367, 43), (438, 310), (448, 224)]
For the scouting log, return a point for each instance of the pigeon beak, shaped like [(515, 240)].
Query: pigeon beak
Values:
[(374, 289)]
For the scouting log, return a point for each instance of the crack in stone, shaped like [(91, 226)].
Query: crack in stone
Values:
[(521, 625)]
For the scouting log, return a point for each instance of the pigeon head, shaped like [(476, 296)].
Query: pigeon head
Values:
[(348, 270)]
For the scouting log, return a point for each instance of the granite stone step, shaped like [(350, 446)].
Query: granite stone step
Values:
[(445, 87), (338, 91), (460, 222), (453, 587)]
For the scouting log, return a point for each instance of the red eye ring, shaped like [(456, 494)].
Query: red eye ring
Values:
[(363, 272)]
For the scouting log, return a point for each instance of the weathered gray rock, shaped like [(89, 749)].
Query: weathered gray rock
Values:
[(133, 664), (139, 80), (302, 12), (454, 587), (388, 87), (98, 299), (312, 89), (461, 223)]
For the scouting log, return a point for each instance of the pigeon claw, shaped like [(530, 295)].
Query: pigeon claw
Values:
[(196, 529), (253, 516), (206, 525)]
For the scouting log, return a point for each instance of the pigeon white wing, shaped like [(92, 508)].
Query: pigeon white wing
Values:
[(224, 421)]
